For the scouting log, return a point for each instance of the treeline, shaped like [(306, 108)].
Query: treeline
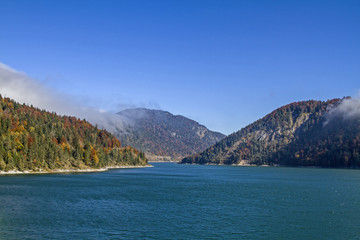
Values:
[(33, 139), (295, 134)]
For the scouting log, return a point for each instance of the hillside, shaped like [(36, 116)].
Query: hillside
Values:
[(31, 139), (299, 134), (161, 134)]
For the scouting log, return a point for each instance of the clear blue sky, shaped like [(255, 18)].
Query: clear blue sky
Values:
[(222, 63)]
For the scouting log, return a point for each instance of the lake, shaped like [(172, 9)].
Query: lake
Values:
[(171, 201)]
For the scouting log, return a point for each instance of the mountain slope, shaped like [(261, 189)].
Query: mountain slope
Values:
[(31, 139), (163, 134), (297, 134)]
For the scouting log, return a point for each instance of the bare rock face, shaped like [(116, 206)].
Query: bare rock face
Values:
[(309, 133)]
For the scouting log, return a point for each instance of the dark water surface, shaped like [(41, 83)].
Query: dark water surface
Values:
[(172, 201)]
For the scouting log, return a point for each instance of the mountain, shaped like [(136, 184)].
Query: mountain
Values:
[(162, 135), (309, 133), (32, 140)]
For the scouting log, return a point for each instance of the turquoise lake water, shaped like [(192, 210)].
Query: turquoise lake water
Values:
[(171, 201)]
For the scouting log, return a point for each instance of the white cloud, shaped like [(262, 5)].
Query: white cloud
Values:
[(23, 89), (348, 108)]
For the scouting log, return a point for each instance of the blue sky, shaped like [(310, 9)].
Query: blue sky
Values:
[(222, 63)]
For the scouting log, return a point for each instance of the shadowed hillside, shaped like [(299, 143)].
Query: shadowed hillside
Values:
[(308, 133), (160, 133)]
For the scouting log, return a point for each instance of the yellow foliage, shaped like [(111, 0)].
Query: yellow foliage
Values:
[(65, 146), (93, 155), (96, 159), (18, 144), (10, 105), (19, 129)]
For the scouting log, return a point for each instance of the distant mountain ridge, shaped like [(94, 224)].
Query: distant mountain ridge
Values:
[(298, 134), (160, 133)]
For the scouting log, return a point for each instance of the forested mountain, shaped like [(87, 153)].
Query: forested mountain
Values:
[(298, 134), (31, 139), (160, 133)]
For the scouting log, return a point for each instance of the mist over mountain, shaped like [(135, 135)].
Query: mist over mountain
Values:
[(24, 89), (309, 133), (36, 140), (160, 133), (157, 132)]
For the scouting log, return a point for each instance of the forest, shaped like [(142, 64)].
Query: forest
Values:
[(164, 134), (298, 134), (36, 140)]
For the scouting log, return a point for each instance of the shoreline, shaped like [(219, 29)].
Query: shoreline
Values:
[(163, 161), (236, 165), (85, 170)]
